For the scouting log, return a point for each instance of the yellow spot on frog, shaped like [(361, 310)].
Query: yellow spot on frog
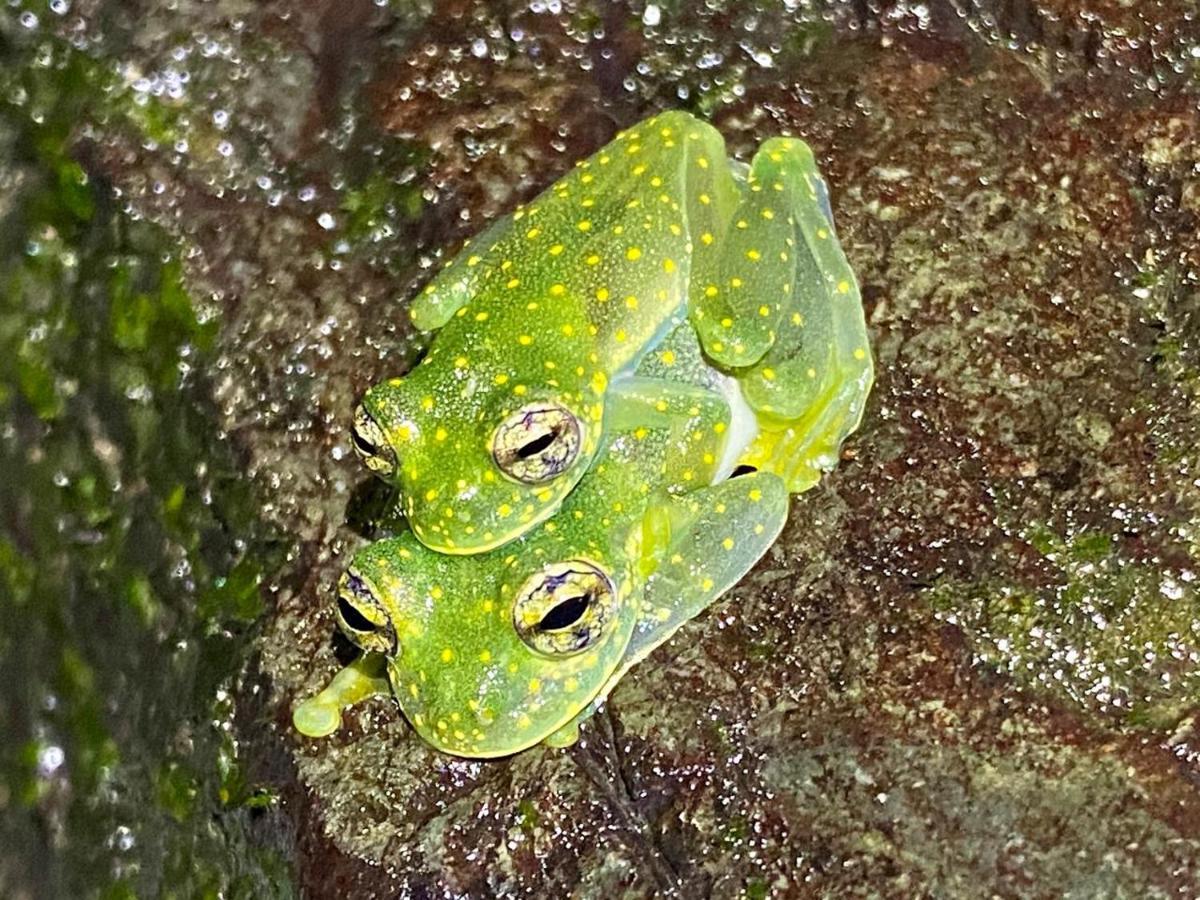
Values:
[(556, 249), (633, 253), (441, 434), (447, 655)]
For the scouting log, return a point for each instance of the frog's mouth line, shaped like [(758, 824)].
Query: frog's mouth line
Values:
[(361, 616)]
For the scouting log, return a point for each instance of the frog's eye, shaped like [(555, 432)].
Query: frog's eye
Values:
[(371, 445), (537, 442), (563, 608), (361, 616)]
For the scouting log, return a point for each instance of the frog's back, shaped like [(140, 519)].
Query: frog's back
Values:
[(612, 239)]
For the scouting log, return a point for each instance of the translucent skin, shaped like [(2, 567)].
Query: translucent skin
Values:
[(556, 305), (455, 628), (550, 305)]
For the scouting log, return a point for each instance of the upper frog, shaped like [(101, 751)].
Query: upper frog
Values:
[(534, 320), (541, 320)]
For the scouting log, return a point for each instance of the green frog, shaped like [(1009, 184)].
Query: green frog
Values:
[(491, 653), (541, 323)]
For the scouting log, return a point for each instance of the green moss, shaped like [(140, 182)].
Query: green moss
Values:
[(1110, 633), (130, 554)]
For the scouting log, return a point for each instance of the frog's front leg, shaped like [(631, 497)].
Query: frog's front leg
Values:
[(702, 544), (321, 714), (696, 421)]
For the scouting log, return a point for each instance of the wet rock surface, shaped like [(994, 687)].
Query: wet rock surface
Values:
[(970, 665)]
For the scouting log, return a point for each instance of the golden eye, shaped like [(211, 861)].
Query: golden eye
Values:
[(563, 609), (361, 616), (537, 443), (371, 445)]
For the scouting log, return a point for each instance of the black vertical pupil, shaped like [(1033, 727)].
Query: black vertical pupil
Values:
[(565, 614)]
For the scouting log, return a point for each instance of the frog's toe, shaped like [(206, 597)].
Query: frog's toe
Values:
[(317, 717)]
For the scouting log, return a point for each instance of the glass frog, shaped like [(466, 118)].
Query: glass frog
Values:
[(542, 321), (491, 653)]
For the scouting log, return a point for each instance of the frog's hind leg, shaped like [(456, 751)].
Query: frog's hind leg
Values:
[(810, 388), (742, 270), (704, 542)]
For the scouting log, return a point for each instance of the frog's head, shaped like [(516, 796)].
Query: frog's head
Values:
[(478, 461), (488, 654)]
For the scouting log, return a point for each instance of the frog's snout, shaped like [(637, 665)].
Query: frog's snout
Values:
[(362, 617)]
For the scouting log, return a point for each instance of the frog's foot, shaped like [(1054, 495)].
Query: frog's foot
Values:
[(801, 450), (810, 388), (321, 715)]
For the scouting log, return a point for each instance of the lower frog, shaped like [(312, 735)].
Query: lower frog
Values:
[(492, 653)]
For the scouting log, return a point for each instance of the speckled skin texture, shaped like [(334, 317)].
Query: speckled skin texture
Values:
[(967, 668), (554, 303), (646, 541)]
